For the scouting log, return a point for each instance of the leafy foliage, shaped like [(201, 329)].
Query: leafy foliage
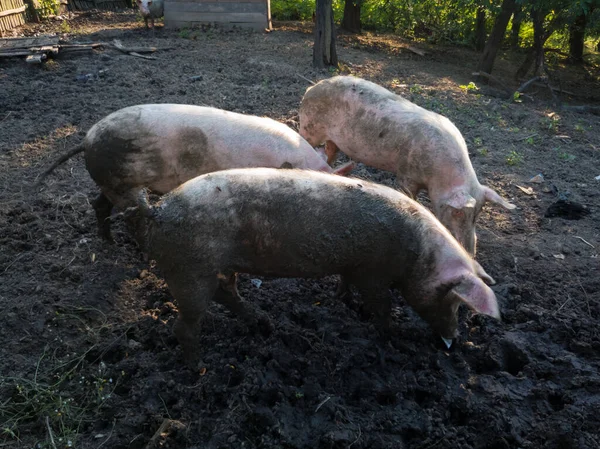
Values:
[(449, 20), (47, 8)]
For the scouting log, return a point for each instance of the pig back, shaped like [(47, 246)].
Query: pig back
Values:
[(381, 129), (161, 146), (288, 223)]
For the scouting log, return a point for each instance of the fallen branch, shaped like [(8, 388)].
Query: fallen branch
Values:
[(305, 79), (119, 46), (137, 55), (493, 79), (523, 87), (583, 109), (416, 51)]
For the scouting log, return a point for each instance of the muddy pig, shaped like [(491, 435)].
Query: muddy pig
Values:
[(160, 146), (151, 9), (381, 129), (300, 223)]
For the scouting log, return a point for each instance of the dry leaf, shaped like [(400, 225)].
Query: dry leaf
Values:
[(526, 190), (559, 256), (203, 371)]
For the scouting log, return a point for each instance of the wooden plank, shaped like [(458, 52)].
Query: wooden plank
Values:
[(10, 12), (38, 58), (213, 7), (257, 26), (187, 16), (26, 42)]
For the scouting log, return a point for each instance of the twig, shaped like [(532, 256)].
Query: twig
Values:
[(50, 432), (13, 262), (109, 435), (357, 438), (137, 55), (526, 137), (322, 403), (584, 241), (6, 116), (305, 79), (563, 304)]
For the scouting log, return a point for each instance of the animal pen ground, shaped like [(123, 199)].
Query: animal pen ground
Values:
[(88, 358)]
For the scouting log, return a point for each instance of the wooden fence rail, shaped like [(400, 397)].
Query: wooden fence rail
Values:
[(12, 14)]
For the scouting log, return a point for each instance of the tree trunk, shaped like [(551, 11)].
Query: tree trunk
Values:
[(351, 20), (480, 29), (324, 53), (576, 36), (516, 28), (31, 11), (486, 62), (540, 36)]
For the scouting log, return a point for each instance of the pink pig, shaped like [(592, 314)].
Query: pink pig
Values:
[(383, 130), (160, 146)]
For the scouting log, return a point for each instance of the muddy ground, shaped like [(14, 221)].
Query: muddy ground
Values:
[(87, 354)]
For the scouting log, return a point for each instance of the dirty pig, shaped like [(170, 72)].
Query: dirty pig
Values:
[(300, 223)]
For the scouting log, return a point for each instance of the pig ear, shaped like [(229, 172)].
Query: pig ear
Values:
[(461, 200), (478, 296), (493, 197), (482, 274)]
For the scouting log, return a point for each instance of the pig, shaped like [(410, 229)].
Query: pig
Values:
[(381, 129), (151, 9), (160, 146), (301, 223)]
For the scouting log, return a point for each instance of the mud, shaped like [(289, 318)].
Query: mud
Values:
[(88, 356)]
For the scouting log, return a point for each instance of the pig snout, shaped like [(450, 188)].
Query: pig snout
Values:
[(143, 6)]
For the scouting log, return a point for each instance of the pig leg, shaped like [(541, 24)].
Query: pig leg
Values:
[(377, 300), (192, 294), (227, 294), (343, 288), (331, 150), (103, 206)]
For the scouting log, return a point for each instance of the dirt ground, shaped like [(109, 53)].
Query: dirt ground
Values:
[(87, 354)]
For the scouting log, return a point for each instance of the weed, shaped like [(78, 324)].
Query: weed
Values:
[(514, 158), (551, 123), (563, 155), (60, 392), (579, 128), (185, 33), (530, 140), (416, 89), (483, 151), (469, 87), (65, 28), (478, 141)]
